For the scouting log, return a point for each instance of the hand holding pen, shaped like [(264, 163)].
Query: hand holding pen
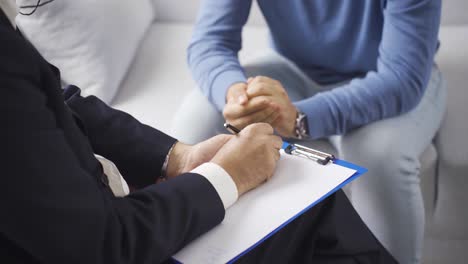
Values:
[(250, 157), (296, 149)]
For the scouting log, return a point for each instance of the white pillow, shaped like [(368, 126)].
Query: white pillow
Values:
[(92, 42)]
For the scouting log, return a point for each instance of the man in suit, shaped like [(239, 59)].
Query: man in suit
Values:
[(57, 205)]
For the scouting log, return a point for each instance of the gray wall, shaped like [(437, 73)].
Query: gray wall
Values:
[(185, 11)]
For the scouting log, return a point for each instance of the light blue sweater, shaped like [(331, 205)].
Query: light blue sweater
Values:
[(386, 47)]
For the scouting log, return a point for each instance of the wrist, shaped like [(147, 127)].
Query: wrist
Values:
[(240, 184), (291, 125), (176, 159)]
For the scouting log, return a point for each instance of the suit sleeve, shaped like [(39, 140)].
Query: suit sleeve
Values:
[(137, 150), (59, 213)]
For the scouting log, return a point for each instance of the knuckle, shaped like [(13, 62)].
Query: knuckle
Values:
[(260, 88), (257, 87), (253, 87), (255, 80), (261, 78), (267, 128), (265, 125), (248, 130), (227, 114), (254, 129), (274, 106)]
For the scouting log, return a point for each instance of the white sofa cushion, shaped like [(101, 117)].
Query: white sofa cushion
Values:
[(159, 79), (92, 42)]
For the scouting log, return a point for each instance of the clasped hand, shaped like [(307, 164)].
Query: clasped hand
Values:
[(250, 157), (261, 99)]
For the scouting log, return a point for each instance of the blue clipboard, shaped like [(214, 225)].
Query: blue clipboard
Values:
[(359, 171)]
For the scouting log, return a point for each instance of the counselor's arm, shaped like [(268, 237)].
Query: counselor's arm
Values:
[(59, 213), (137, 150)]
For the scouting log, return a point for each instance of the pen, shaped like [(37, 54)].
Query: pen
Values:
[(234, 130), (231, 128)]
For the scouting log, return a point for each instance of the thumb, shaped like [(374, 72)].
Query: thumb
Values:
[(219, 140), (213, 144)]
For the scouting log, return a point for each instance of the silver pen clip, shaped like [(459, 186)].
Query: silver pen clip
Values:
[(312, 154)]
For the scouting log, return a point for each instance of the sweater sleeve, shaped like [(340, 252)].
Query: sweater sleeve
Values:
[(213, 50), (406, 52)]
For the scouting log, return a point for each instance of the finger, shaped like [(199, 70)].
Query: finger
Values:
[(238, 94), (260, 128), (256, 117), (233, 111), (277, 142), (277, 156), (262, 85), (262, 78), (207, 149), (258, 103), (256, 88), (249, 80), (219, 140), (244, 121), (272, 117)]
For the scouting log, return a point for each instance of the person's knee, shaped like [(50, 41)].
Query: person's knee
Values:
[(384, 158), (402, 167)]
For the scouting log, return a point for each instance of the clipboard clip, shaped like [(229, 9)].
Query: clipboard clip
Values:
[(312, 154)]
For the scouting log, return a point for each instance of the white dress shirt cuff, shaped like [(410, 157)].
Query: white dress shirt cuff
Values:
[(221, 181)]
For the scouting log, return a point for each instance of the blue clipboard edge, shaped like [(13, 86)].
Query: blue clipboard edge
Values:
[(359, 171)]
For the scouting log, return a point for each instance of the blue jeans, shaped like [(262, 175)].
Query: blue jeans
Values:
[(388, 197)]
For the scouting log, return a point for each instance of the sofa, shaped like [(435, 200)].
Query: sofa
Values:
[(157, 80)]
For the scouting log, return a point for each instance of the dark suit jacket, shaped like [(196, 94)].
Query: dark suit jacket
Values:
[(56, 206)]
